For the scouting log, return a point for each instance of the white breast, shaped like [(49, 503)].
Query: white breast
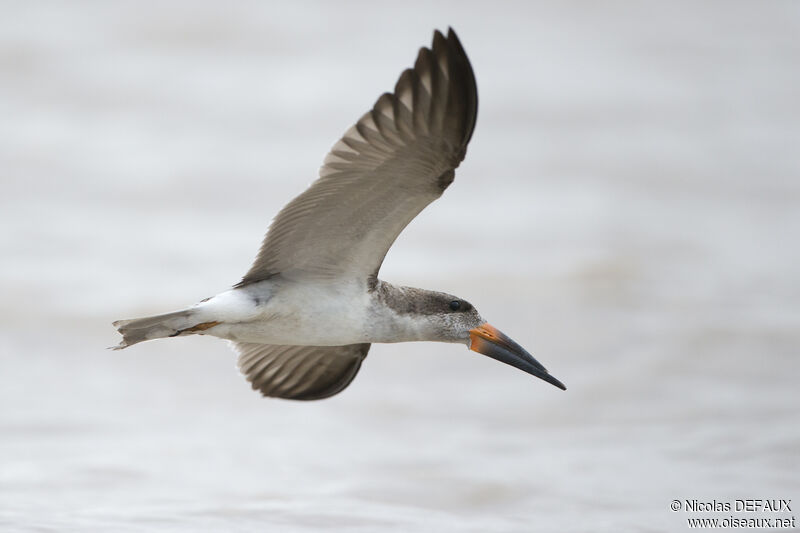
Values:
[(316, 314)]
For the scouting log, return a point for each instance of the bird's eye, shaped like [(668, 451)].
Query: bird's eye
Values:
[(455, 305)]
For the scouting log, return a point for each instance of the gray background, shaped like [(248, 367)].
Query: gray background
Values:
[(628, 211)]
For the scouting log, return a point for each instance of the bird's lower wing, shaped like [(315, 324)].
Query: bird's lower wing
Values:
[(299, 372)]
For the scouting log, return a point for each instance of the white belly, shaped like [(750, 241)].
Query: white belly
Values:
[(292, 313)]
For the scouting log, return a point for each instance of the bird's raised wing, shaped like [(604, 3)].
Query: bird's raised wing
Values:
[(398, 158), (300, 372)]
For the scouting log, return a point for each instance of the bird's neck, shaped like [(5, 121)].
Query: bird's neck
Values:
[(402, 314)]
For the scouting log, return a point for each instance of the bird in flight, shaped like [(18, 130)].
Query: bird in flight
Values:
[(304, 316)]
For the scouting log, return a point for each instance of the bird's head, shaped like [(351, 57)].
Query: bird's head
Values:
[(447, 318)]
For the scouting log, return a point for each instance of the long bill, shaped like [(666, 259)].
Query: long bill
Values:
[(489, 340)]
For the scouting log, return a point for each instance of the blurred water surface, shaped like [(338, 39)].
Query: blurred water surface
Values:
[(628, 210)]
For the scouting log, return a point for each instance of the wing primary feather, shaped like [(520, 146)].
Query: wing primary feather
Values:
[(404, 105), (423, 95), (467, 79), (384, 118), (441, 91)]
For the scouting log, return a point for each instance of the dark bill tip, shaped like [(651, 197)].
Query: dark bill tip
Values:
[(492, 342)]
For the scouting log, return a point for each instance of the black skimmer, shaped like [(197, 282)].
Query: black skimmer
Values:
[(304, 316)]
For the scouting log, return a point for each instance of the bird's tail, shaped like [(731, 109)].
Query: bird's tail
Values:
[(173, 324)]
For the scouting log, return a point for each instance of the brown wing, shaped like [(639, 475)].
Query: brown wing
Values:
[(398, 158), (300, 372)]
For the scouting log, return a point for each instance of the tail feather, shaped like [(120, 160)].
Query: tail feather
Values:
[(156, 327)]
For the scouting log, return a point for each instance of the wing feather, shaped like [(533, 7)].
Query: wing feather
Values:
[(300, 372), (385, 169)]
